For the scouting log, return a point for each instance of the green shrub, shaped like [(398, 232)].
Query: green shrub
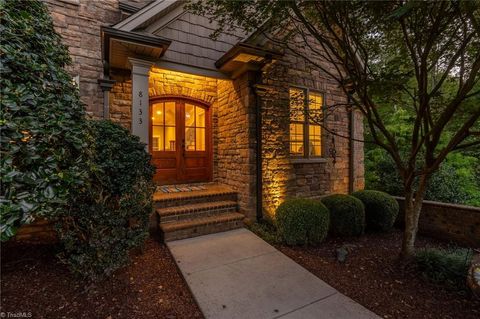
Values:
[(445, 266), (302, 221), (381, 209), (92, 179), (112, 215), (266, 231), (43, 129), (347, 215)]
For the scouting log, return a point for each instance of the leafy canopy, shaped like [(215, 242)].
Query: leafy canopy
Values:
[(423, 56)]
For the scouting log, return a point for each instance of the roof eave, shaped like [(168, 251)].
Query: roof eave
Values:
[(224, 64), (133, 39)]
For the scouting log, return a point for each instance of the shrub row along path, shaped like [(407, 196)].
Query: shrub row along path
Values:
[(236, 274)]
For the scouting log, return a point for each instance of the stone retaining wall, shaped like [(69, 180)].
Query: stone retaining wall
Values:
[(454, 222)]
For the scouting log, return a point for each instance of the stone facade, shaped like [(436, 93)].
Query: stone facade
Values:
[(236, 159), (286, 176), (233, 122), (79, 22), (234, 108), (121, 103)]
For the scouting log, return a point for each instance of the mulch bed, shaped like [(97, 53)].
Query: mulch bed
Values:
[(372, 276), (150, 287)]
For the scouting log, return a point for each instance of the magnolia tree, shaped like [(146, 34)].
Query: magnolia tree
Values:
[(423, 57)]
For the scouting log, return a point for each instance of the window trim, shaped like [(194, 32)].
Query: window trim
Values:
[(306, 126)]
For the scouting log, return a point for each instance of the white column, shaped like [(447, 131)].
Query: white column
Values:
[(140, 103)]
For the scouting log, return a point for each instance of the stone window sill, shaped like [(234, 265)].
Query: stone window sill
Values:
[(302, 160)]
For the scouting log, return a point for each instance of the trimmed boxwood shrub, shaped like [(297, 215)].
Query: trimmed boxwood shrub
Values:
[(347, 215), (302, 221), (381, 209), (111, 216)]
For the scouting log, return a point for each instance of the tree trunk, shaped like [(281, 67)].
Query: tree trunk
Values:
[(413, 208)]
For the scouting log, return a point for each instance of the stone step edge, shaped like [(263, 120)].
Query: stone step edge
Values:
[(180, 225), (193, 195), (193, 208)]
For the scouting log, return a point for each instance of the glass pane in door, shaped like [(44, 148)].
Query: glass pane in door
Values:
[(190, 138), (170, 113), (157, 114), (157, 138), (195, 119), (163, 126), (199, 117), (169, 138), (200, 139), (189, 115)]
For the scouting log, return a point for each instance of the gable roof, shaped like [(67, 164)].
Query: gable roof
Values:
[(130, 7), (148, 12)]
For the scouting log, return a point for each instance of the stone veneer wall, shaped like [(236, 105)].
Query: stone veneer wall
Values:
[(120, 108), (459, 223), (285, 176), (79, 22), (236, 141)]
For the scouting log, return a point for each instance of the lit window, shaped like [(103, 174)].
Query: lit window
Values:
[(305, 115)]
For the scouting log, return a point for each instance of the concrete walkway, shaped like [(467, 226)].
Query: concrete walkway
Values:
[(236, 274)]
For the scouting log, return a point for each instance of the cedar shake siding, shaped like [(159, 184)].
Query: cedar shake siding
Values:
[(191, 42)]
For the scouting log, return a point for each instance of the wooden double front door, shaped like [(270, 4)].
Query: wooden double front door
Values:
[(180, 140)]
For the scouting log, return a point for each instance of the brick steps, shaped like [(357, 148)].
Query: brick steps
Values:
[(183, 212), (201, 226), (189, 214), (176, 199)]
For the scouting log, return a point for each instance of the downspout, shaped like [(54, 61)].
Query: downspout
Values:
[(106, 85), (351, 142), (258, 148)]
